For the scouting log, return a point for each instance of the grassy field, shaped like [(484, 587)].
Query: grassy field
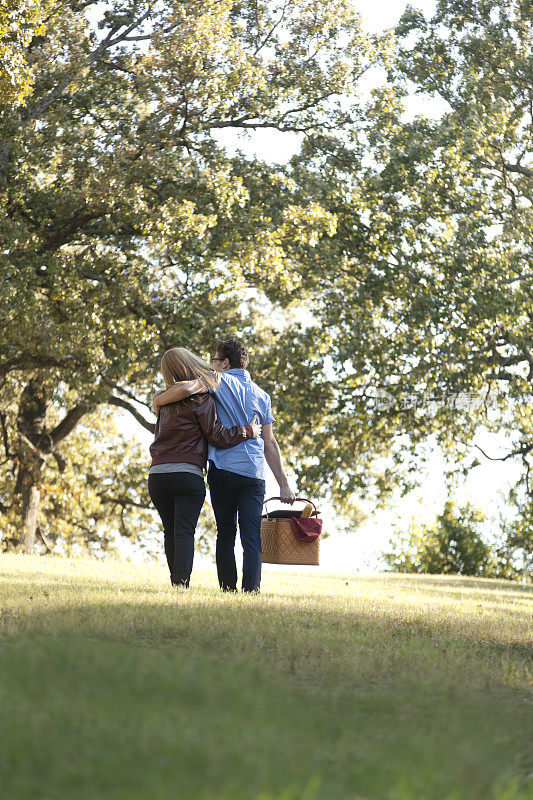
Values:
[(382, 687)]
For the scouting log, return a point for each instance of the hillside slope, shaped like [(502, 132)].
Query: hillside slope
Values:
[(381, 687)]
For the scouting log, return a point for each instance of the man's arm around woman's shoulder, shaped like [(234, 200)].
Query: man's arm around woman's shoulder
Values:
[(177, 392)]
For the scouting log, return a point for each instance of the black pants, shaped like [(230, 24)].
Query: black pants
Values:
[(233, 494), (178, 498)]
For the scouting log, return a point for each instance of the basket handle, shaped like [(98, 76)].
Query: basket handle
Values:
[(296, 499)]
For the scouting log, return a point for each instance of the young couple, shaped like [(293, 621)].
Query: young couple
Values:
[(217, 414)]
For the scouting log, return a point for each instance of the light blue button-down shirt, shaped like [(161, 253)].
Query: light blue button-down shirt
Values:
[(238, 400)]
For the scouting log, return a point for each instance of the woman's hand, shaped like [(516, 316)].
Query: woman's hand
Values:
[(256, 427)]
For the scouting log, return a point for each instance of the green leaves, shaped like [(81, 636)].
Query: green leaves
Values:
[(391, 253), (126, 226), (21, 21), (453, 546)]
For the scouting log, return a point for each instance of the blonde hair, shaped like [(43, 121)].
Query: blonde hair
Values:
[(179, 364)]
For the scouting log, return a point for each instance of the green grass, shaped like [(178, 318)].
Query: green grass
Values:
[(382, 687)]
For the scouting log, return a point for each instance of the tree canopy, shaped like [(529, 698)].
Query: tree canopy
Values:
[(391, 256), (433, 241), (128, 227)]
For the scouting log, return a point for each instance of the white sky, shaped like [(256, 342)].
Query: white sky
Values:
[(377, 15), (360, 549)]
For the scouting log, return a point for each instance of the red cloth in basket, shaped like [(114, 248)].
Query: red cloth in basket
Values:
[(306, 530)]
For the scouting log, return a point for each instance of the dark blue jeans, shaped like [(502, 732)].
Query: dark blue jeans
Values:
[(178, 497), (232, 495)]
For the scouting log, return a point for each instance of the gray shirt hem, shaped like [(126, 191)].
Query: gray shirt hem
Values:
[(178, 466)]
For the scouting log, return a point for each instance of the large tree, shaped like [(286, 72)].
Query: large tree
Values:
[(476, 195), (433, 241), (127, 227)]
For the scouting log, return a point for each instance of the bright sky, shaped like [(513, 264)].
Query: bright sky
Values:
[(377, 15), (360, 549)]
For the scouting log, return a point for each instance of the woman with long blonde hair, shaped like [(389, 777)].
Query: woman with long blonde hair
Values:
[(179, 456)]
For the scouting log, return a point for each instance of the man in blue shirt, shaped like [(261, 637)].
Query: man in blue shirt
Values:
[(236, 475)]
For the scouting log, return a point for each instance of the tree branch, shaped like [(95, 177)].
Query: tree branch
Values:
[(5, 436), (118, 401), (519, 169), (503, 375), (109, 41), (44, 539), (523, 450), (41, 453), (64, 235), (125, 392), (68, 423), (276, 24), (35, 110), (508, 361), (34, 359), (122, 501), (11, 363)]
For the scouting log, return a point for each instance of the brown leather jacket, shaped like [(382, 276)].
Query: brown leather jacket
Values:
[(183, 430)]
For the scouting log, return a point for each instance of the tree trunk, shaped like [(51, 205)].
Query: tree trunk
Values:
[(34, 446), (31, 498), (31, 425)]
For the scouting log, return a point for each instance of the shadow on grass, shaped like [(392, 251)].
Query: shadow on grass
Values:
[(441, 583), (279, 626), (300, 612), (253, 699), (453, 582)]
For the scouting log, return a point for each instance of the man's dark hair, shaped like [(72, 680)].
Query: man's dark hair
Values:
[(235, 352)]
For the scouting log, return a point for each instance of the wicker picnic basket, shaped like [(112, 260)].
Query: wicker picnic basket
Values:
[(279, 543)]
